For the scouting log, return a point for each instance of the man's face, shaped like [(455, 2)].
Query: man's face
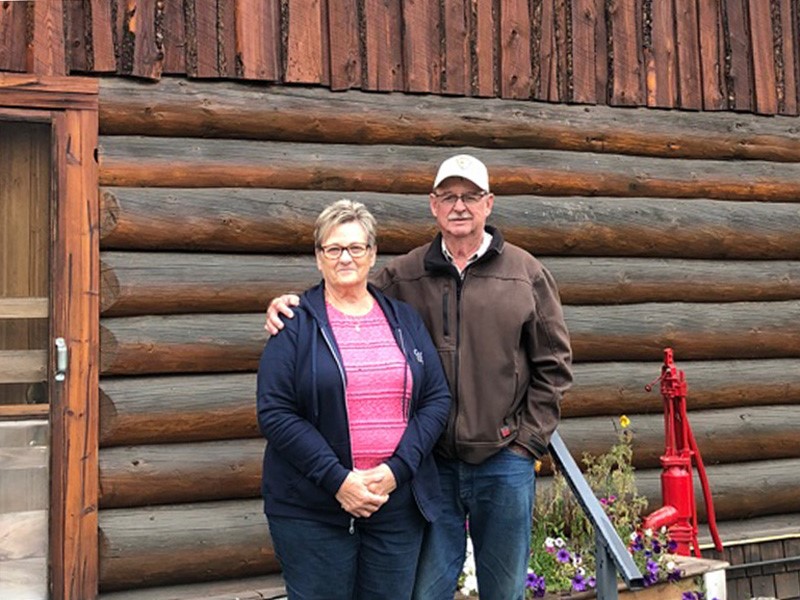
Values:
[(460, 208)]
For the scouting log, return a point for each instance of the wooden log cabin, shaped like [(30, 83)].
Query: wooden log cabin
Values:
[(161, 166)]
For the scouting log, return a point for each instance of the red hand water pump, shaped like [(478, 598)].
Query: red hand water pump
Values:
[(679, 512)]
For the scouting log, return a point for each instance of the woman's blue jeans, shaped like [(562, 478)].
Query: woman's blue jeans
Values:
[(497, 497), (322, 561)]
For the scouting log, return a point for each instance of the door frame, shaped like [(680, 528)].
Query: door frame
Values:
[(70, 105)]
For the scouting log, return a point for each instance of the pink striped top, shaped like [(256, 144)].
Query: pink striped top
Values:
[(375, 369)]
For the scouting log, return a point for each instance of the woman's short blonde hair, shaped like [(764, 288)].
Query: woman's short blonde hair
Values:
[(340, 212)]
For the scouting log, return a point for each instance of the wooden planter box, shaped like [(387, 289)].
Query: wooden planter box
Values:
[(692, 568)]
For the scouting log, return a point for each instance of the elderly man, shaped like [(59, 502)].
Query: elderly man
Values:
[(495, 317)]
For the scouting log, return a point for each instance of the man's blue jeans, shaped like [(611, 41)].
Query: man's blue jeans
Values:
[(497, 498), (321, 561)]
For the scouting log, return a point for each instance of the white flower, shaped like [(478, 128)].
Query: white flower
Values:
[(580, 571), (648, 533), (633, 536), (663, 530), (560, 543), (469, 558), (549, 543), (470, 585), (671, 565), (577, 560)]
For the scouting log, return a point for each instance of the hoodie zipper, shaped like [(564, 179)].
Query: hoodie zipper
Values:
[(351, 529), (406, 398)]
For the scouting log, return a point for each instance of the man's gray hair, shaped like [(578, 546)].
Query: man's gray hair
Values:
[(344, 211)]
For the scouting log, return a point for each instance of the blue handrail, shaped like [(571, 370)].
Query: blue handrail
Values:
[(611, 556)]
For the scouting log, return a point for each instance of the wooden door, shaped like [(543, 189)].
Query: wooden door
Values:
[(24, 351), (49, 337)]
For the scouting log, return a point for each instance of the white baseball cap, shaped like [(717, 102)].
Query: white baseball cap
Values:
[(466, 166)]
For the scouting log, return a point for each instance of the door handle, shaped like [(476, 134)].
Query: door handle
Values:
[(62, 359)]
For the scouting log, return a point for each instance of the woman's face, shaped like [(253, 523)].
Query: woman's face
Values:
[(345, 272)]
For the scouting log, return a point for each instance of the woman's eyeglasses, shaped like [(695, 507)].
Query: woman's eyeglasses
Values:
[(469, 198), (354, 250)]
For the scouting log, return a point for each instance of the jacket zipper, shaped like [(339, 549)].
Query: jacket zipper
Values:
[(339, 365), (457, 374)]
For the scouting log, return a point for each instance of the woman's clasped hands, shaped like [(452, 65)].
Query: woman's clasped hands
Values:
[(363, 492)]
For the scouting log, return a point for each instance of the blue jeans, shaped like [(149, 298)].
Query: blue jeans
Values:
[(376, 561), (497, 497)]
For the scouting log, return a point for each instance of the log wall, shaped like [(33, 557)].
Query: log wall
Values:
[(662, 230)]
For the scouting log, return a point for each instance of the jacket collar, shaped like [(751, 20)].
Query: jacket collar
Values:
[(436, 261), (314, 301)]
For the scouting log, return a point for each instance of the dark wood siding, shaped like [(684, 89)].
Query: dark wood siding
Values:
[(739, 55)]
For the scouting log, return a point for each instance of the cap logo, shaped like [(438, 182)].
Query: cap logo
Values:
[(463, 162)]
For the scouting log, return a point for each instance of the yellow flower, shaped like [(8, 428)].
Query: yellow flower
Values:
[(624, 421)]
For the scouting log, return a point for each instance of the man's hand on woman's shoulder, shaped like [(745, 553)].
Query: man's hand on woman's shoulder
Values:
[(278, 308)]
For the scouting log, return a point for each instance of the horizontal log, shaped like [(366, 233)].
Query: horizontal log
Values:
[(144, 161), (135, 283), (584, 280), (23, 366), (246, 219), (183, 544), (772, 432), (168, 283), (695, 331), (174, 473), (24, 308), (281, 221), (233, 342), (618, 388), (215, 540), (220, 470), (740, 491), (181, 344), (160, 410), (197, 109)]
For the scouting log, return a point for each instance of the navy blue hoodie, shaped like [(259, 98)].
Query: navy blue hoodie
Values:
[(303, 415)]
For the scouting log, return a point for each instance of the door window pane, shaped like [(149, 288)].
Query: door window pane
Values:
[(24, 499), (24, 357)]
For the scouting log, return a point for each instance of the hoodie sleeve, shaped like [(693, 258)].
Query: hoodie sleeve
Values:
[(281, 422), (432, 404)]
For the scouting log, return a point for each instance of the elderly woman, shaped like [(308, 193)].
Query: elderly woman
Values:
[(351, 399)]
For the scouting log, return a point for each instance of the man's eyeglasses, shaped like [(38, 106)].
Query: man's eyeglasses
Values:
[(354, 250), (468, 198)]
